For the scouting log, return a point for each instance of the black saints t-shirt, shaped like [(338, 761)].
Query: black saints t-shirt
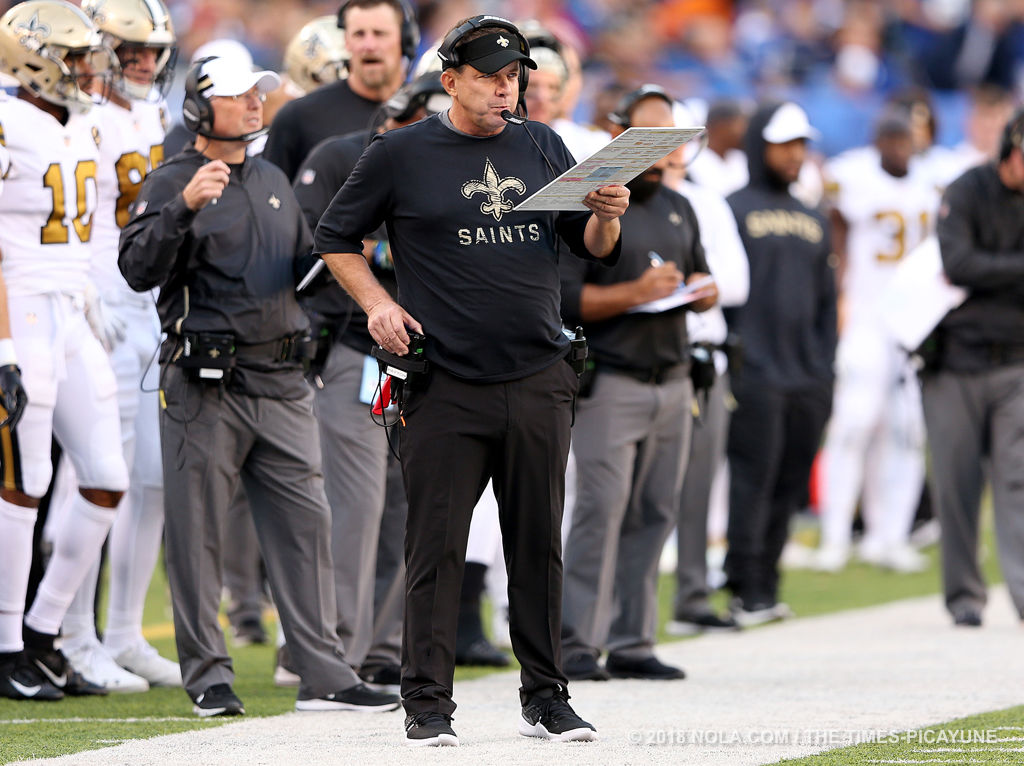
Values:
[(481, 278)]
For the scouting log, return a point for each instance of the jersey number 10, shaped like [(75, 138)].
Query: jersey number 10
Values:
[(55, 232)]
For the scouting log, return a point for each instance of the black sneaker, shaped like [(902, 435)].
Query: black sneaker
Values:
[(649, 668), (430, 730), (55, 668), (553, 718), (967, 618), (483, 653), (702, 622), (359, 697), (21, 681), (248, 632), (583, 666), (219, 699), (385, 678)]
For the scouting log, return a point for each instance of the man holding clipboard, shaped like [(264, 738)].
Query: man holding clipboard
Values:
[(633, 422)]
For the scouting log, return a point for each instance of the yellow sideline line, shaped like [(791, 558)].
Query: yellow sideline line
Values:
[(166, 629)]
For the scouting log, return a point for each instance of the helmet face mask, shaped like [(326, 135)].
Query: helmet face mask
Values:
[(133, 29), (56, 53)]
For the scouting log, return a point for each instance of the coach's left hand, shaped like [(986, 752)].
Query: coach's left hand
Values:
[(608, 202)]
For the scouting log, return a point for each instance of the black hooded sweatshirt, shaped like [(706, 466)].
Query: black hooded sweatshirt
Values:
[(788, 325)]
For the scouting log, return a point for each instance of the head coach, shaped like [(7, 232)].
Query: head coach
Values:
[(481, 281)]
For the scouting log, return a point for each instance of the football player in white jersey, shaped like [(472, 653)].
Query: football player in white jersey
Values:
[(875, 440), (133, 124), (48, 206)]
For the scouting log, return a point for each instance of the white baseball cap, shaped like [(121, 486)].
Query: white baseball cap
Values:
[(788, 123), (229, 77)]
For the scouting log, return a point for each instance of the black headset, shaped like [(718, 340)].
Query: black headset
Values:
[(448, 50), (1013, 135), (621, 114), (410, 29), (196, 110)]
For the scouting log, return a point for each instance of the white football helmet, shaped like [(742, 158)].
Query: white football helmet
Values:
[(128, 25), (55, 52), (317, 54)]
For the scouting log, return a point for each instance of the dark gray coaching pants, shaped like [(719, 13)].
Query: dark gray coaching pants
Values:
[(457, 435), (211, 438), (974, 420)]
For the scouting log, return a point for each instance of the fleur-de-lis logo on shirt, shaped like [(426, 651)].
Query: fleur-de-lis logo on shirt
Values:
[(494, 189)]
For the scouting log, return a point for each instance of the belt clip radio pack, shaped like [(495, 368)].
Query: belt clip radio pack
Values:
[(578, 351), (207, 356), (406, 372)]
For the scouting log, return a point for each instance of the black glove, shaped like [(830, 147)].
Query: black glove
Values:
[(13, 398)]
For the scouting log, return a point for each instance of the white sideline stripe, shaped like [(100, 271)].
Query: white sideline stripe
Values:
[(155, 719)]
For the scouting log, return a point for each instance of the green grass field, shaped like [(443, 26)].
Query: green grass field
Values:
[(35, 730), (992, 738)]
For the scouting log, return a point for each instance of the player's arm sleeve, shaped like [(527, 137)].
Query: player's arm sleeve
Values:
[(152, 240), (725, 253), (360, 205), (964, 263)]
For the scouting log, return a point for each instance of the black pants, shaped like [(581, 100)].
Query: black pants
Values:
[(774, 435), (457, 435)]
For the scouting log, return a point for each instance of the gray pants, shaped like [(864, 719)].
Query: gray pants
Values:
[(210, 437), (243, 571), (970, 418), (630, 442), (355, 457), (707, 450)]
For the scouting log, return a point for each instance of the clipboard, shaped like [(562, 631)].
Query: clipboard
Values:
[(620, 161)]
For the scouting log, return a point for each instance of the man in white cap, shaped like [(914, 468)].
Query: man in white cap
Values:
[(222, 235), (788, 329)]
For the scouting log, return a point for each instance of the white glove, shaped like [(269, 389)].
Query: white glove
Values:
[(106, 325)]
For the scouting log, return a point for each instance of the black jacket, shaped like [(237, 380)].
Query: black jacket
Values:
[(981, 236), (788, 325), (325, 171), (228, 268)]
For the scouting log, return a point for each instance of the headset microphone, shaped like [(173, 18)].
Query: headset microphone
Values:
[(514, 119)]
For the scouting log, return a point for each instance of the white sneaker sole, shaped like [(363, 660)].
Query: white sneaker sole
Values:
[(441, 740), (319, 705), (582, 734), (213, 711)]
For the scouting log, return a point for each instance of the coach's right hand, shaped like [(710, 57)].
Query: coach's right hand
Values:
[(206, 185), (12, 395), (658, 282), (387, 321)]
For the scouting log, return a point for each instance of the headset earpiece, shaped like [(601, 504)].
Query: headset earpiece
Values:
[(410, 29), (196, 110)]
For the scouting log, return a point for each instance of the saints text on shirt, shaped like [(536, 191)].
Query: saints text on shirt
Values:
[(783, 223)]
